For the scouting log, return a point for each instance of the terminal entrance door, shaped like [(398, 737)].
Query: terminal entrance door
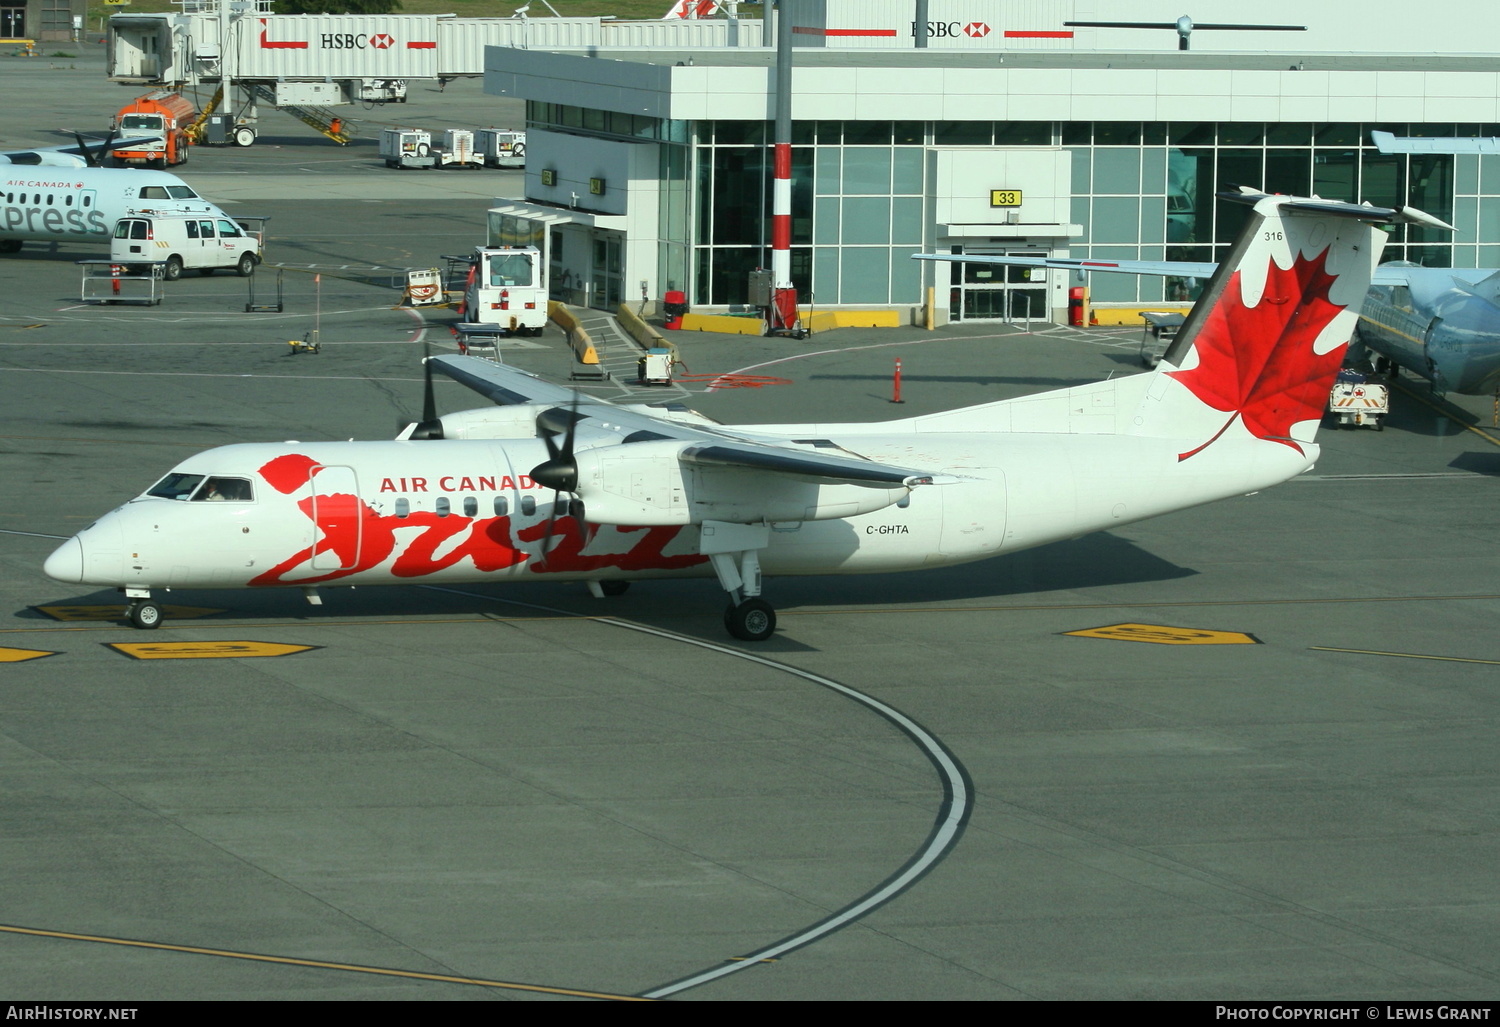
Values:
[(996, 292), (608, 266)]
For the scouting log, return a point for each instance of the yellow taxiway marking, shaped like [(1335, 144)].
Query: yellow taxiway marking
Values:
[(8, 655), (1486, 436), (117, 612), (205, 650), (1162, 634), (318, 964), (1409, 656)]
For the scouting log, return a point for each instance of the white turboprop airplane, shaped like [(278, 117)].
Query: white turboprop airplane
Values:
[(61, 194), (552, 485)]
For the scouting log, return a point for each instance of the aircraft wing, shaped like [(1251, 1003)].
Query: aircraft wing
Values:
[(1386, 274), (1171, 268), (502, 385), (75, 155), (708, 447)]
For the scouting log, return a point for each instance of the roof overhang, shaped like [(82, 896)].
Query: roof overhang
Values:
[(550, 215)]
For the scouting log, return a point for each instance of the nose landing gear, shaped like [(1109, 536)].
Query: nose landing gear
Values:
[(144, 615), (142, 612)]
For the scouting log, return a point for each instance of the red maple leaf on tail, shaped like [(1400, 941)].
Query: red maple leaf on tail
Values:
[(1257, 363)]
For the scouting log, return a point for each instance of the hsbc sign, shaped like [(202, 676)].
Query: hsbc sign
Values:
[(953, 29)]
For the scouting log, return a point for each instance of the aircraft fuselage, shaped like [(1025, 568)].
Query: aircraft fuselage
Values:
[(81, 205), (363, 513), (1438, 331)]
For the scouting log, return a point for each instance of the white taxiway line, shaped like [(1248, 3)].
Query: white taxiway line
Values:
[(948, 825)]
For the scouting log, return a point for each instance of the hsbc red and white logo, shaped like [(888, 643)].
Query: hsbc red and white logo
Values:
[(382, 40), (954, 29)]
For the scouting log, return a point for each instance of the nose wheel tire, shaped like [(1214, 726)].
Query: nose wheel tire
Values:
[(754, 620), (144, 615)]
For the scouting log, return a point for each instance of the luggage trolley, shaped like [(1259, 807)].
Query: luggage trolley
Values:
[(1156, 337)]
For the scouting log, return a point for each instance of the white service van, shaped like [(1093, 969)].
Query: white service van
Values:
[(180, 241)]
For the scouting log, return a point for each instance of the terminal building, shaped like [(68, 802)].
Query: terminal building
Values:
[(1018, 128)]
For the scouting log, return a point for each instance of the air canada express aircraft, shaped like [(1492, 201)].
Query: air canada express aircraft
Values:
[(553, 485), (60, 195)]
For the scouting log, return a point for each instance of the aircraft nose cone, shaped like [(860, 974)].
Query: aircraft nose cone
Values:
[(66, 563)]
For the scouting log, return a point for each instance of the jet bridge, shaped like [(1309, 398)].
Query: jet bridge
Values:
[(306, 64)]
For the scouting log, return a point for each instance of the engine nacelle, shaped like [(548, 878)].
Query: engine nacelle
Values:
[(646, 483), (509, 422)]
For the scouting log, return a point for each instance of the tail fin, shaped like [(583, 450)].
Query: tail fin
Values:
[(1265, 341)]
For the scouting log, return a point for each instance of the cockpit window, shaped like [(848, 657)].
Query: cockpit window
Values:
[(224, 490), (175, 486), (181, 192)]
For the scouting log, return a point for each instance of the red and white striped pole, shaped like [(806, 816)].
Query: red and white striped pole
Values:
[(783, 314)]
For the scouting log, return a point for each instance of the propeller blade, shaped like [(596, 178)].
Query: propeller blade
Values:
[(559, 472), (90, 159), (430, 426), (429, 401), (107, 146)]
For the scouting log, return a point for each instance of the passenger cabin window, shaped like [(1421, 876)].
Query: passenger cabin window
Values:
[(403, 507), (528, 505), (441, 506), (471, 506), (224, 490), (502, 506), (175, 486)]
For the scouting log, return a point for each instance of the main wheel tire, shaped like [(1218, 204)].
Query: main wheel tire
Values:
[(173, 269), (146, 616), (246, 267), (754, 620)]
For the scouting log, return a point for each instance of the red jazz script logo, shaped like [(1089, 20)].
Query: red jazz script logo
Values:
[(1257, 363)]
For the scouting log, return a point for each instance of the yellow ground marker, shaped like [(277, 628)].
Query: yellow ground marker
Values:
[(205, 650), (8, 655), (1162, 634)]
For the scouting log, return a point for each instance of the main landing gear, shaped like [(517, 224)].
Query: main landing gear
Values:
[(142, 612), (734, 552)]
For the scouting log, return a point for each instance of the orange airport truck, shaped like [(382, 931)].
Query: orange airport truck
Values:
[(163, 114)]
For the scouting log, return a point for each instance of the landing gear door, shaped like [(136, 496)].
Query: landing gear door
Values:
[(338, 532)]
